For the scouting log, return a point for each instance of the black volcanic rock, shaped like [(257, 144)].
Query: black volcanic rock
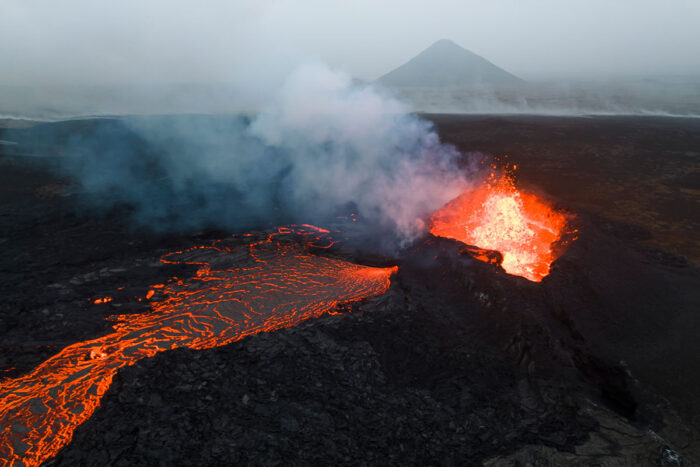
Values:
[(402, 379), (457, 364), (447, 64)]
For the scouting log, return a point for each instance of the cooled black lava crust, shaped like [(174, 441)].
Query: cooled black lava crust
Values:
[(459, 363)]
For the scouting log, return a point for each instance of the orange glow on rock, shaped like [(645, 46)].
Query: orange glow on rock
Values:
[(99, 301), (246, 285), (497, 216)]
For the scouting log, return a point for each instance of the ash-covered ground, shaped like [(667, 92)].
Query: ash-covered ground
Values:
[(457, 364)]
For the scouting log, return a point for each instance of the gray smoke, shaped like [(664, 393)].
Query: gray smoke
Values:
[(322, 148)]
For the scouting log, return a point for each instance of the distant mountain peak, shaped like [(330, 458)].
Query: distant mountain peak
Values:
[(445, 43), (445, 63)]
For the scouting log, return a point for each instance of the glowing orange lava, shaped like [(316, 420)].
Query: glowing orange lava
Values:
[(244, 285), (99, 301), (496, 216)]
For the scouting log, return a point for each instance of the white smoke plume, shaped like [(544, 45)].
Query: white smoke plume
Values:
[(323, 147), (352, 144)]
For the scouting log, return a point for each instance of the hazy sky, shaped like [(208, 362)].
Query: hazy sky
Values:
[(141, 41)]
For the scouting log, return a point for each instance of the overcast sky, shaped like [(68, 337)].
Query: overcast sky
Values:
[(141, 41)]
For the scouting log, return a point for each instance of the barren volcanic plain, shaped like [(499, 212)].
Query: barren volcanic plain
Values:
[(457, 363)]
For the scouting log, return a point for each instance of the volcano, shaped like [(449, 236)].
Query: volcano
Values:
[(121, 346), (447, 64)]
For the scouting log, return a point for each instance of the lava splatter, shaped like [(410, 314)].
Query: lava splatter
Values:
[(497, 216)]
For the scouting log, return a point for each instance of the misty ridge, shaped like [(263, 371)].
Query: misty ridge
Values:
[(444, 78), (447, 78), (655, 95), (660, 96)]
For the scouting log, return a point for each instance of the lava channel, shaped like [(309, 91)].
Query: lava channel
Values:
[(268, 283), (497, 216)]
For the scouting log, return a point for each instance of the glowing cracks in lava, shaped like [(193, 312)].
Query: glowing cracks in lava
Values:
[(496, 216), (245, 285)]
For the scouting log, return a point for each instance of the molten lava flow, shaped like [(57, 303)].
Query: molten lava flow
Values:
[(265, 284), (497, 216)]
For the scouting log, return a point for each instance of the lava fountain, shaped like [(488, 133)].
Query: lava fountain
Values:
[(244, 285), (497, 216)]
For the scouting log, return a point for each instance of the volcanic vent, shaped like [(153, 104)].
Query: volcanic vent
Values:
[(495, 215)]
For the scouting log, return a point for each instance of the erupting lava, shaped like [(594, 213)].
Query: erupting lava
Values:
[(245, 285), (496, 216)]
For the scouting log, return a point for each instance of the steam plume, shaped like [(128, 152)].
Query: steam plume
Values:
[(322, 147)]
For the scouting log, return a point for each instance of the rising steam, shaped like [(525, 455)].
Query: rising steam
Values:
[(323, 147)]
